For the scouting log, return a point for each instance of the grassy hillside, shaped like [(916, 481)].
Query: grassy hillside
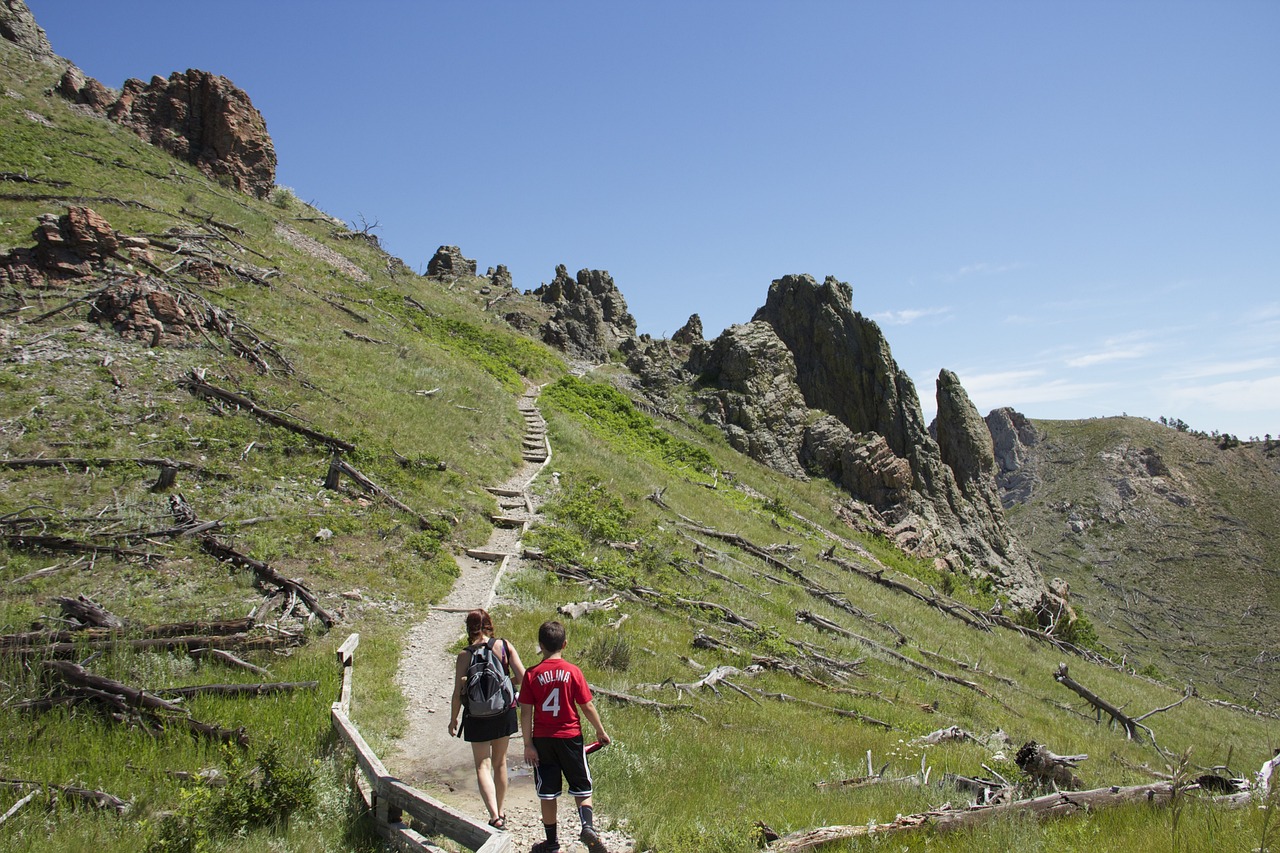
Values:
[(718, 561), (1170, 541)]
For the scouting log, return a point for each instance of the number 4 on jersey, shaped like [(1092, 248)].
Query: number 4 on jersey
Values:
[(552, 703)]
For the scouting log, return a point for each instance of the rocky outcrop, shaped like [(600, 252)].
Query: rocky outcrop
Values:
[(1012, 435), (74, 245), (206, 120), (79, 88), (500, 278), (19, 26), (690, 333), (448, 262), (144, 310), (810, 387), (591, 319)]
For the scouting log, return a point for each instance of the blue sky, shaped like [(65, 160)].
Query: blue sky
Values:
[(1075, 206)]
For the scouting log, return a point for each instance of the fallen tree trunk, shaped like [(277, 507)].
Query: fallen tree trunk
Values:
[(582, 608), (826, 624), (97, 799), (58, 651), (264, 572), (79, 677), (946, 819), (197, 385), (88, 612), (258, 689), (628, 699), (1130, 725), (337, 467), (167, 629)]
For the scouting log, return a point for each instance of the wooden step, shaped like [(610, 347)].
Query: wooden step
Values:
[(487, 555), (506, 521), (506, 493)]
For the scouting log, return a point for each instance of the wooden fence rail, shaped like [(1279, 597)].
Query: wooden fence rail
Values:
[(389, 799)]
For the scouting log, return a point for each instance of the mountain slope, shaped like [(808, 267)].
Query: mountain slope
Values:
[(835, 641), (1169, 540)]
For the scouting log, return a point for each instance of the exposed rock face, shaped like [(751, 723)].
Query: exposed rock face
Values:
[(500, 278), (78, 88), (756, 401), (591, 319), (810, 386), (1011, 437), (448, 262), (74, 245), (19, 26), (690, 333), (203, 119), (964, 440), (144, 310)]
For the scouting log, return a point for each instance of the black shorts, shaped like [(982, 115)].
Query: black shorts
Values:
[(561, 757), (481, 729)]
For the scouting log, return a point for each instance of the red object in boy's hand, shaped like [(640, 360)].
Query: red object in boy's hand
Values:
[(595, 746)]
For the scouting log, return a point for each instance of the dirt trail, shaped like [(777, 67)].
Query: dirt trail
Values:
[(427, 757)]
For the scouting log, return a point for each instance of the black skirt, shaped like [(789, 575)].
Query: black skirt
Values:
[(481, 729)]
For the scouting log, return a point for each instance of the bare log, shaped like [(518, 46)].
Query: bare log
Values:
[(338, 466), (198, 386), (88, 612), (582, 608), (1130, 725), (228, 658), (826, 624), (61, 543), (17, 807), (841, 712), (68, 650), (265, 573), (167, 629), (80, 678), (945, 819), (259, 689), (1045, 768), (97, 799), (81, 462), (628, 699)]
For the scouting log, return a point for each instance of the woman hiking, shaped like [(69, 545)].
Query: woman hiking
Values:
[(488, 731)]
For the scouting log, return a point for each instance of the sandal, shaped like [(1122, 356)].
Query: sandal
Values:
[(499, 823)]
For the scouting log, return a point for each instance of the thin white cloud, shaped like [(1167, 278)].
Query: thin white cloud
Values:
[(1222, 368), (1020, 387), (1110, 354), (981, 268), (907, 316), (1240, 395)]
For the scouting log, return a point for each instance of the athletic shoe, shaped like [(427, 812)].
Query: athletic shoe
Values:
[(592, 840), (546, 847)]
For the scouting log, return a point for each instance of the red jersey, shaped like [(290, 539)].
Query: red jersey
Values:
[(555, 688)]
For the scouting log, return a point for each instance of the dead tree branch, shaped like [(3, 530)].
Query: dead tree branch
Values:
[(198, 386)]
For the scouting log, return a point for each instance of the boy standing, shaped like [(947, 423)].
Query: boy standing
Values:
[(550, 696)]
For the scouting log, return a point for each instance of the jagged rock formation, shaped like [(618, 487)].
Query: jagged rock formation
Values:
[(19, 26), (79, 88), (810, 386), (500, 278), (690, 333), (206, 120), (1012, 435), (591, 319), (144, 310), (74, 245), (448, 262)]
